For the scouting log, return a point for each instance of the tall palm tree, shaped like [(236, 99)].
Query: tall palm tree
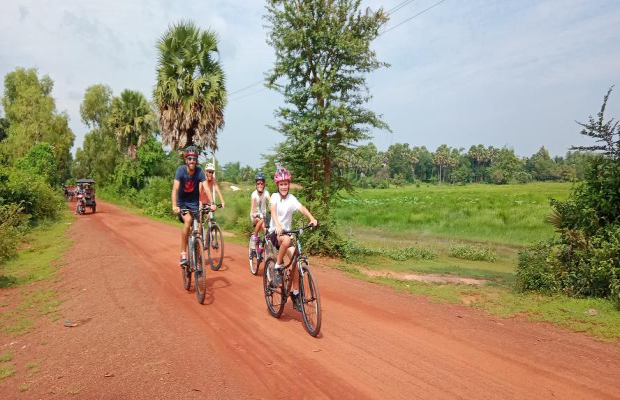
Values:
[(132, 119), (190, 92)]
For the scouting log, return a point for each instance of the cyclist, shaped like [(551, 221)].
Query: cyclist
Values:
[(282, 205), (207, 189), (258, 206), (188, 181)]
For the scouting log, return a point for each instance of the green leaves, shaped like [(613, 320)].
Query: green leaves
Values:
[(190, 92), (323, 54)]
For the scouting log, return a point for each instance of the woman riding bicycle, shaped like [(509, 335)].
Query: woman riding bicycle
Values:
[(282, 205), (258, 206)]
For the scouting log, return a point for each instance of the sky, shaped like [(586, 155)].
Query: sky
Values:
[(515, 73)]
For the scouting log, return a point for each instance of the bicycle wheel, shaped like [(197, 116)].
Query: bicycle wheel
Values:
[(200, 274), (186, 273), (311, 303), (273, 294), (254, 262), (216, 248)]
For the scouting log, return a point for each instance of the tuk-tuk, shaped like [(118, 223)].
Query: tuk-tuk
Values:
[(85, 194)]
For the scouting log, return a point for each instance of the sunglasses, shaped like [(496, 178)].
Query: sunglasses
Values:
[(260, 183), (192, 158), (209, 172)]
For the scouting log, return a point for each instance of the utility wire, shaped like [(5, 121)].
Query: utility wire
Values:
[(412, 17), (399, 6), (248, 94), (245, 88)]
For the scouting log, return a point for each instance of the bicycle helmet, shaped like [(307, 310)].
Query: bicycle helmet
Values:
[(191, 151), (281, 174), (210, 167), (259, 177)]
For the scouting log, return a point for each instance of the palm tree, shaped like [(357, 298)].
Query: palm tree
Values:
[(190, 92), (132, 120)]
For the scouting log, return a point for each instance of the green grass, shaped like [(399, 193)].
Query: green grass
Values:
[(506, 214), (500, 300), (4, 357), (23, 387), (37, 261), (6, 370)]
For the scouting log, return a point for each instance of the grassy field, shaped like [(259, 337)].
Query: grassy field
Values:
[(506, 214)]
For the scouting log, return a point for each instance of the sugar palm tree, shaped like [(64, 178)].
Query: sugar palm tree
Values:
[(190, 92), (132, 119)]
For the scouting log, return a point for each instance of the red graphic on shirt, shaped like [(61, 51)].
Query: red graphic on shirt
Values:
[(189, 186)]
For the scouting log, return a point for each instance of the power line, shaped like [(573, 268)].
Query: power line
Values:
[(412, 17), (246, 88), (399, 6), (248, 94)]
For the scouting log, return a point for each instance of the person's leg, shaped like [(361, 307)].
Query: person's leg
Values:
[(187, 225), (284, 241)]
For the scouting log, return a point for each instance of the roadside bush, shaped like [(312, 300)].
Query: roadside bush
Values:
[(473, 253), (13, 224), (523, 177), (353, 251), (535, 269), (36, 197), (324, 241)]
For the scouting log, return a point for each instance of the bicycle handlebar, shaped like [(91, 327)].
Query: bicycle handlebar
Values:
[(208, 207), (300, 230)]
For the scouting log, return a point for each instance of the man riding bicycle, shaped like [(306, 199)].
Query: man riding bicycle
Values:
[(188, 182), (282, 205)]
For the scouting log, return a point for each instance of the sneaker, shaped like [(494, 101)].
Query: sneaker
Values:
[(183, 261), (277, 278), (296, 301)]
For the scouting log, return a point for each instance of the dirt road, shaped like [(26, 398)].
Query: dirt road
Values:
[(139, 335)]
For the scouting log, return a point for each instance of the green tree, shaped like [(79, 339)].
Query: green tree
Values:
[(190, 92), (541, 166), (323, 55), (132, 120), (441, 159), (31, 113), (232, 172), (423, 169), (95, 107), (4, 127), (40, 161)]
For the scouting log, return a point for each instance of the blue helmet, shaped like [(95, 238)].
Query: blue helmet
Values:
[(259, 177)]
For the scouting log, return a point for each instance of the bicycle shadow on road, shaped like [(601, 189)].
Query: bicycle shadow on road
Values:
[(213, 285)]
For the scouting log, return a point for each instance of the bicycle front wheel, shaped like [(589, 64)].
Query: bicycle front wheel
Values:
[(216, 248), (273, 294), (254, 263), (311, 303), (200, 274)]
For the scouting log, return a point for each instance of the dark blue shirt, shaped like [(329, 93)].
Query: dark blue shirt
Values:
[(187, 196)]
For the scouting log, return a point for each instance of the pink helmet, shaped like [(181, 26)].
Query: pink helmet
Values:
[(281, 174)]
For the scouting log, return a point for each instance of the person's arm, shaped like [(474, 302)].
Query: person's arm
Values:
[(252, 208), (175, 191), (274, 215), (217, 189), (307, 213), (203, 186)]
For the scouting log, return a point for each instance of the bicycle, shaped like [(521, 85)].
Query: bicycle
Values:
[(277, 295), (212, 238), (196, 259), (261, 252)]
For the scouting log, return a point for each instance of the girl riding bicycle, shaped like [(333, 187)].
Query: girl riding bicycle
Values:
[(258, 206), (282, 205)]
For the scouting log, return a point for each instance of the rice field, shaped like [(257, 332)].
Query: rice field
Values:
[(506, 214)]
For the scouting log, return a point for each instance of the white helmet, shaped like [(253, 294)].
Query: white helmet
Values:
[(210, 167)]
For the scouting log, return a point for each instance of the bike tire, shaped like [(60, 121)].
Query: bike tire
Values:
[(187, 276), (254, 261), (311, 302), (200, 273), (216, 248), (273, 295)]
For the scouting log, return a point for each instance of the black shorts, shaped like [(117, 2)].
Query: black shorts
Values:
[(180, 215), (273, 237)]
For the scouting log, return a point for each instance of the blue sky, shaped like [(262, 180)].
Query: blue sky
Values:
[(514, 73)]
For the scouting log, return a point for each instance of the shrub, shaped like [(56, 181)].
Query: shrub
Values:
[(13, 223), (473, 253), (30, 192), (535, 271), (523, 177)]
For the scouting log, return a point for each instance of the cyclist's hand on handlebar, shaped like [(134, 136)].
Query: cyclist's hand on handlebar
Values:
[(176, 210), (213, 207), (279, 229), (223, 205), (314, 222)]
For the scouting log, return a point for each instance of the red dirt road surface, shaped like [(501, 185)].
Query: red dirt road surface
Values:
[(138, 335)]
